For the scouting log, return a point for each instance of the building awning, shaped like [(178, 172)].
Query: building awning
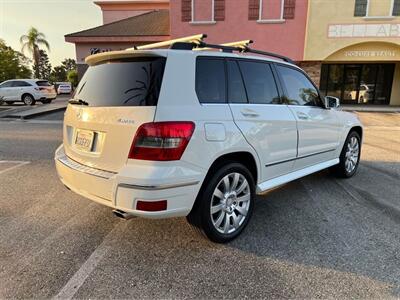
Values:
[(150, 26)]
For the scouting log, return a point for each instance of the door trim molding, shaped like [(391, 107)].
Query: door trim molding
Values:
[(275, 182), (299, 157)]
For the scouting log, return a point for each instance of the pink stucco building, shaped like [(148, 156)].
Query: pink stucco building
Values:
[(274, 25)]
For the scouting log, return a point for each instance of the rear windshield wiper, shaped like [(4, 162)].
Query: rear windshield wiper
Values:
[(78, 101)]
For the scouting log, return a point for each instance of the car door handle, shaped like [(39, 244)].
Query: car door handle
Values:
[(249, 113), (302, 116)]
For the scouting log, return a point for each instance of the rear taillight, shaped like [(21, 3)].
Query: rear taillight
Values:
[(161, 141)]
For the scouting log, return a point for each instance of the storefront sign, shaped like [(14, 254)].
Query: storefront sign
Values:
[(363, 30), (362, 53)]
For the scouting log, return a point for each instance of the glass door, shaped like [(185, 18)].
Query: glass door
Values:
[(351, 84)]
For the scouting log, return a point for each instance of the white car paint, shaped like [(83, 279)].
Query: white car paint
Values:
[(286, 142), (21, 87), (64, 88)]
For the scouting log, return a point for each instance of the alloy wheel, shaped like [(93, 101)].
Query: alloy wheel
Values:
[(352, 154), (230, 203)]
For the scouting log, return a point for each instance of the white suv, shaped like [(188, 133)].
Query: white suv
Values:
[(27, 90), (169, 133)]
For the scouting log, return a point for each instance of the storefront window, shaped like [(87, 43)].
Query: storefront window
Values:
[(358, 83)]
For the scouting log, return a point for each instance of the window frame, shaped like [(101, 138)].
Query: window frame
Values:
[(6, 82), (285, 92), (280, 20), (205, 22), (223, 59)]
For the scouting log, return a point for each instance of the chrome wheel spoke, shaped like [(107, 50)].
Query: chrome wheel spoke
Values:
[(227, 223), (218, 194), (235, 181), (243, 198), (241, 210), (227, 185), (241, 187), (216, 208), (220, 218), (236, 221)]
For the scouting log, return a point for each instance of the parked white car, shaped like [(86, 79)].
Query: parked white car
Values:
[(169, 133), (27, 90), (64, 88)]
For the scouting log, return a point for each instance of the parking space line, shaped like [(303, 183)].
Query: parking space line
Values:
[(79, 278), (17, 165)]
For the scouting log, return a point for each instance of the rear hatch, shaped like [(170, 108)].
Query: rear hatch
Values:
[(45, 87), (111, 101)]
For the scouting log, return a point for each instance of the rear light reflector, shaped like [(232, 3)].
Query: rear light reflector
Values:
[(151, 206), (161, 141)]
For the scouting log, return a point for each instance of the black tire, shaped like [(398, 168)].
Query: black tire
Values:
[(28, 99), (47, 101), (340, 169), (10, 102), (201, 217)]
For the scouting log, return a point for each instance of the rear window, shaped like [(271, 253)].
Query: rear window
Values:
[(133, 82), (43, 83)]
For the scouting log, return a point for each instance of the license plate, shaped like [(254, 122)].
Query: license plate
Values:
[(84, 140)]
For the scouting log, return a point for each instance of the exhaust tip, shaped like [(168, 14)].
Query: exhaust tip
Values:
[(122, 214)]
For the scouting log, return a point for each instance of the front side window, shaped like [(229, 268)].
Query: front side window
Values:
[(126, 82), (259, 82), (299, 89), (210, 80)]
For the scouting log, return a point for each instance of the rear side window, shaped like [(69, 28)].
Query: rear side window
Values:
[(260, 83), (299, 89), (20, 84), (132, 82), (210, 80), (43, 83), (236, 90), (6, 84)]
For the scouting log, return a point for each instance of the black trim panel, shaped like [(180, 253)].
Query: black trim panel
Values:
[(300, 157)]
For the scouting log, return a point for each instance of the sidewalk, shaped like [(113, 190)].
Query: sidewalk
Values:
[(371, 108)]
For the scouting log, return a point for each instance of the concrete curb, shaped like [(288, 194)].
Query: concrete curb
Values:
[(22, 116)]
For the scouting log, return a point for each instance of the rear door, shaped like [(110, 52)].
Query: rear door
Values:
[(319, 128), (112, 100), (267, 124), (19, 88)]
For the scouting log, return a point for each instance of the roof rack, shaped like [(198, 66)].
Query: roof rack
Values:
[(241, 46), (193, 39)]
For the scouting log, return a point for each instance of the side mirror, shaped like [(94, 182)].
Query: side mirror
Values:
[(331, 102)]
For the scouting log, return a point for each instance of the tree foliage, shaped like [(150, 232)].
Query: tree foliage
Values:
[(69, 64), (13, 64), (31, 42), (73, 77), (43, 68)]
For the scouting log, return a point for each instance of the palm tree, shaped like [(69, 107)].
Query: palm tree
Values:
[(31, 42)]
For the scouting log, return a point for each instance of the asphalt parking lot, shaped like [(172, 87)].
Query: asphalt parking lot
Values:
[(317, 237)]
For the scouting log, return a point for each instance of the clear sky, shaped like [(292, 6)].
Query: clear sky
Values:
[(54, 18)]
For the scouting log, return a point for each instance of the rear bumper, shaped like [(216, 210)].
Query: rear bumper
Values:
[(122, 190)]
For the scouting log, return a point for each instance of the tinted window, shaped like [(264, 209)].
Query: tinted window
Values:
[(300, 91), (43, 83), (6, 84), (20, 84), (260, 83), (133, 82), (236, 90), (210, 80)]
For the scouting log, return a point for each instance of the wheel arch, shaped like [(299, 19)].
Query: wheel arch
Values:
[(357, 129), (27, 94)]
